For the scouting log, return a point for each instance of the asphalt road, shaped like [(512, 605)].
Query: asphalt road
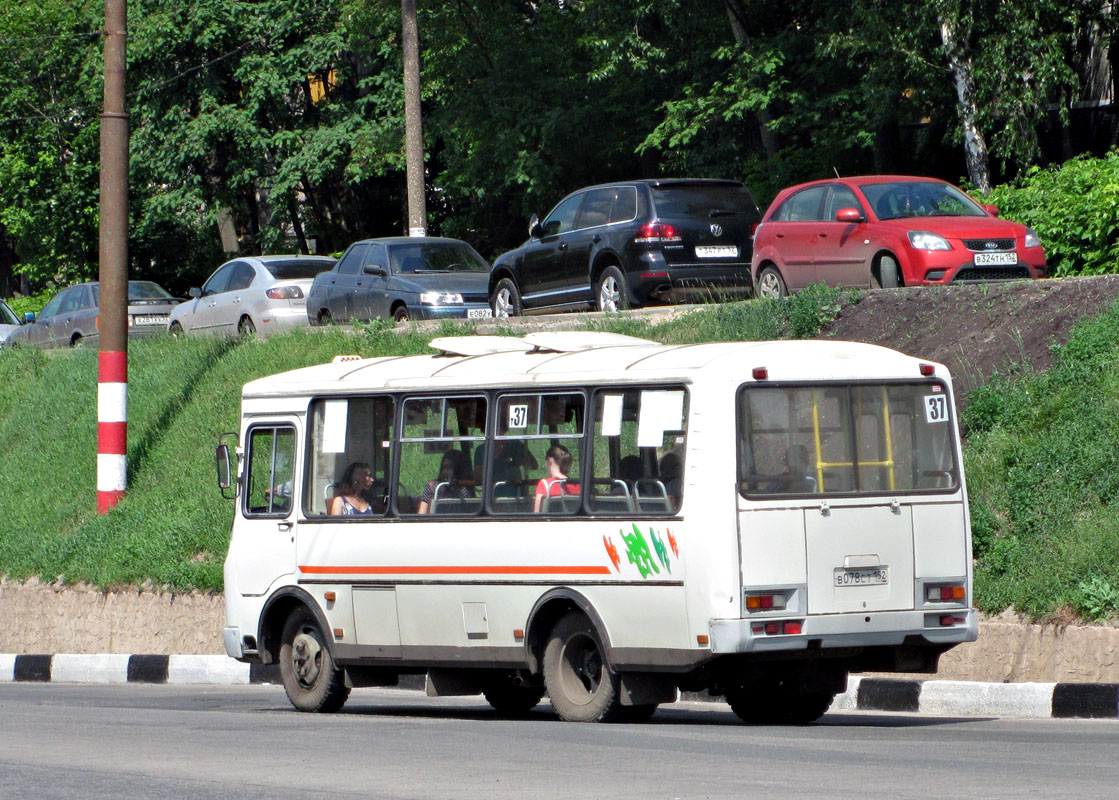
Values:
[(103, 741)]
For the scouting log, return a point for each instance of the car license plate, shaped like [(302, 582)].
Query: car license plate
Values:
[(479, 313), (154, 319), (877, 576), (995, 259), (716, 251)]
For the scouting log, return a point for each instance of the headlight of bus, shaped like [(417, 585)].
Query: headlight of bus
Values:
[(440, 298)]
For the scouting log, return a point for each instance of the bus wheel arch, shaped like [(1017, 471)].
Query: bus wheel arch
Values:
[(547, 612), (274, 616)]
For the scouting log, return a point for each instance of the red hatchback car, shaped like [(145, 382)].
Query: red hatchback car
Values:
[(887, 231)]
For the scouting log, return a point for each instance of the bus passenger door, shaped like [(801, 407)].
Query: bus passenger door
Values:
[(262, 548)]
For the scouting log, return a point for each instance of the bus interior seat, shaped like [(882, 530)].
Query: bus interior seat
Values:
[(562, 503), (651, 495), (612, 503)]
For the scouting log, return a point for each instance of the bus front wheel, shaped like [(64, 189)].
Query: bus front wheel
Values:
[(311, 680), (580, 683)]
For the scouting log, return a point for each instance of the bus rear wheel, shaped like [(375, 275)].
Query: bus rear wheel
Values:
[(311, 680), (580, 683)]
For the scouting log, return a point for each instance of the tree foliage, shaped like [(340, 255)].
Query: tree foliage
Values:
[(281, 123)]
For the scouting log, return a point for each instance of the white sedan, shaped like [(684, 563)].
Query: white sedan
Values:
[(250, 295)]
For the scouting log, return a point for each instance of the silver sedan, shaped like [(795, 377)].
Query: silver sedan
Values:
[(251, 295)]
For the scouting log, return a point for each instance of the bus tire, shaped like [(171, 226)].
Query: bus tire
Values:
[(311, 680), (580, 683), (510, 699)]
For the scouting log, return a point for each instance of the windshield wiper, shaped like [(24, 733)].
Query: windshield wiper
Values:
[(722, 212)]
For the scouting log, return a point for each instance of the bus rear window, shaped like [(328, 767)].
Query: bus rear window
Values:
[(845, 440)]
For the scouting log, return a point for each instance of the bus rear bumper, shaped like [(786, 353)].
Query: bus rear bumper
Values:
[(874, 629)]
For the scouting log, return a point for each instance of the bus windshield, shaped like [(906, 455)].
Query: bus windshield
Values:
[(845, 440)]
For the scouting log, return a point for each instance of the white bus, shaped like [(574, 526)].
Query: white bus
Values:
[(600, 518)]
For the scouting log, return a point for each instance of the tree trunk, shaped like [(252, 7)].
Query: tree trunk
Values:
[(771, 140), (975, 146)]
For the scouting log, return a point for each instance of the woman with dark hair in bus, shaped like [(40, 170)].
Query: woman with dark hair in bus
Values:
[(349, 498), (453, 469)]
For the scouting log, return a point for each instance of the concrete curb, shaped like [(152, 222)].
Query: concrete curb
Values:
[(946, 698)]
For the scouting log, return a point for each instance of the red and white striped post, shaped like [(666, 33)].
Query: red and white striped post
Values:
[(112, 356), (112, 428)]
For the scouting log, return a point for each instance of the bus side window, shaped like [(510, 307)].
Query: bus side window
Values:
[(528, 426), (345, 431), (638, 451)]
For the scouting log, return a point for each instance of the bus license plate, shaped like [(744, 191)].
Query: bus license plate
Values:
[(879, 576), (716, 251), (996, 259), (479, 313)]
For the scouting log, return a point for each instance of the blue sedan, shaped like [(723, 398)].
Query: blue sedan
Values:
[(402, 278)]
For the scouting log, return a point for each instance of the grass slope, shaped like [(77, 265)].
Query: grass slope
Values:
[(1042, 460)]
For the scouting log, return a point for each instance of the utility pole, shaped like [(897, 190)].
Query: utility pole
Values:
[(112, 356), (413, 123)]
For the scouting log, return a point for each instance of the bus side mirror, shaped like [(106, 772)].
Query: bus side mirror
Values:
[(225, 472)]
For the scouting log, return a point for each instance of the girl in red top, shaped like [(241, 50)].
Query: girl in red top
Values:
[(557, 461)]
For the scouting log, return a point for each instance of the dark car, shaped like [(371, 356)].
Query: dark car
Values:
[(887, 231), (404, 277), (629, 244), (72, 317)]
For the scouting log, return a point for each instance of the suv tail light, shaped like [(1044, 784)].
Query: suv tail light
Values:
[(657, 233), (285, 293)]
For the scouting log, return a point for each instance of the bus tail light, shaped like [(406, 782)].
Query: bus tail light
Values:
[(761, 373), (927, 370), (791, 627), (765, 602), (941, 594), (950, 619)]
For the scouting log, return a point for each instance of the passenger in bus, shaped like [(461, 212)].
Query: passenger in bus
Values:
[(670, 470), (453, 481), (350, 496), (557, 463), (510, 459)]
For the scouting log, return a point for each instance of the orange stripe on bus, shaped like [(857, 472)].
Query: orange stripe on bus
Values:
[(455, 570)]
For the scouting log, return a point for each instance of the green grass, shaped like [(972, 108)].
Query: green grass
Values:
[(1042, 464), (1042, 459)]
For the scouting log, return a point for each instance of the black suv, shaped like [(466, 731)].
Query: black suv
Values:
[(627, 244)]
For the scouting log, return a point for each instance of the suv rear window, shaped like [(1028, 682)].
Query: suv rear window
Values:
[(700, 199)]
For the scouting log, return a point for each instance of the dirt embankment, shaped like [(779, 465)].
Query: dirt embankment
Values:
[(976, 330)]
